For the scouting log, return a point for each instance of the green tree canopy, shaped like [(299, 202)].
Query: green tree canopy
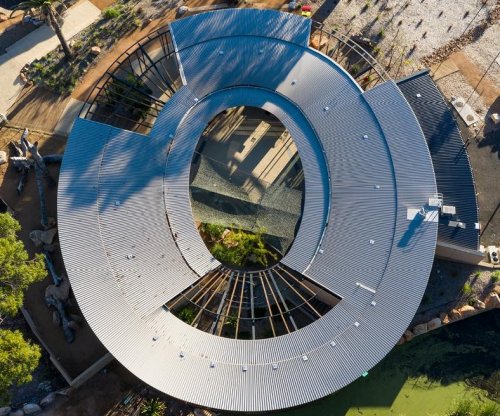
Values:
[(17, 271), (238, 248), (18, 359)]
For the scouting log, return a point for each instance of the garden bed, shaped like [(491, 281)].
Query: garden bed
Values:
[(56, 73)]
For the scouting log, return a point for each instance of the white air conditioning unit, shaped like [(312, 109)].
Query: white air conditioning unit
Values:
[(493, 254)]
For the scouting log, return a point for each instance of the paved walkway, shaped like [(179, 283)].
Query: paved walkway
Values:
[(37, 44)]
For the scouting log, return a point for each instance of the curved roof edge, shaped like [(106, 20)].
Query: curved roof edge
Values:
[(452, 167)]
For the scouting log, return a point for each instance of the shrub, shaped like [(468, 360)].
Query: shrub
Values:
[(153, 407), (186, 314), (464, 407), (112, 12), (467, 289), (381, 33), (495, 276)]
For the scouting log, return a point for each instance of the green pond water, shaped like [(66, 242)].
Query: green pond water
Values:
[(424, 377)]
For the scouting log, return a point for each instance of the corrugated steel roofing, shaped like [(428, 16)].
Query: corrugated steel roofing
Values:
[(359, 183), (449, 155)]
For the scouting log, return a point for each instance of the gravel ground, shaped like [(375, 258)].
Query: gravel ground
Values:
[(484, 50), (415, 28), (456, 85)]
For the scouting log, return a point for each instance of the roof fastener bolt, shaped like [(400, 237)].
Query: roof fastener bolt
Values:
[(372, 241), (326, 109), (181, 354), (333, 343), (377, 186), (221, 52), (294, 81), (419, 95), (373, 303), (365, 136), (356, 324), (275, 366), (155, 338)]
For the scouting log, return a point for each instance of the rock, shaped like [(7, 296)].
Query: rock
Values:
[(77, 318), (479, 304), (466, 311), (48, 400), (40, 237), (454, 315), (408, 335), (56, 318), (73, 325), (59, 292), (95, 50), (492, 301), (442, 315), (433, 324), (18, 412), (22, 77), (496, 289), (318, 42), (401, 341), (3, 17), (446, 320), (3, 157), (420, 329), (4, 411), (182, 10), (67, 392), (31, 409)]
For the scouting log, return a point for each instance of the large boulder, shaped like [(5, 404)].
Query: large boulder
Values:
[(420, 329), (466, 311), (48, 400), (479, 304), (433, 324), (31, 409), (3, 157), (454, 314), (496, 289), (4, 411), (60, 292), (492, 301), (40, 237), (408, 335)]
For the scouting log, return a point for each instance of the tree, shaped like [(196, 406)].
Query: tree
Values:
[(153, 407), (238, 248), (18, 359), (47, 9), (17, 271)]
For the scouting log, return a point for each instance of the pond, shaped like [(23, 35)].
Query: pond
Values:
[(424, 377)]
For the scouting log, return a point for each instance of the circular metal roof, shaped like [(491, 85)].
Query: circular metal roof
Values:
[(130, 244)]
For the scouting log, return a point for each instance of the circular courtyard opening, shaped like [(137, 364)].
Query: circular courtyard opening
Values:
[(247, 188)]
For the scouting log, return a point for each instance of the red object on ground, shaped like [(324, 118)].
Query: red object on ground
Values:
[(306, 8)]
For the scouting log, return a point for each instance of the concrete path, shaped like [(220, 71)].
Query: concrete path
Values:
[(37, 44)]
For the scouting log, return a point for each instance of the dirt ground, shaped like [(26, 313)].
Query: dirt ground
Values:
[(37, 108), (86, 349)]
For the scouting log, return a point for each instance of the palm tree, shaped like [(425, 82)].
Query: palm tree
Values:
[(47, 9)]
